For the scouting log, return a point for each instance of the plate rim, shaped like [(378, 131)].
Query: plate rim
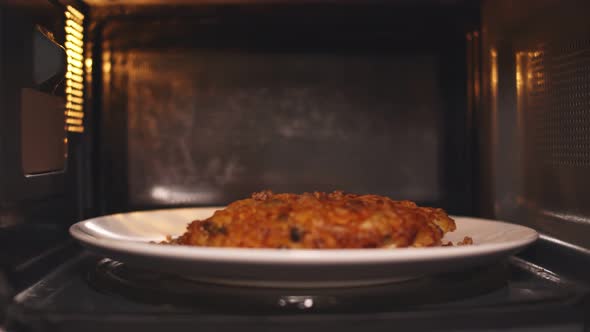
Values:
[(295, 256)]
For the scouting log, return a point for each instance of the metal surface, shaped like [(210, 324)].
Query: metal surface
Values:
[(535, 123), (145, 286), (18, 55), (209, 2), (241, 122), (35, 211), (325, 105), (2, 87), (43, 137), (5, 297), (525, 295), (473, 112)]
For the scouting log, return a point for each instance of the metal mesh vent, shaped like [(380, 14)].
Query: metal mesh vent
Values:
[(571, 101), (537, 103), (559, 104)]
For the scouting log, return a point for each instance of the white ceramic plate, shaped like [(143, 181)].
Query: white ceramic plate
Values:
[(126, 237)]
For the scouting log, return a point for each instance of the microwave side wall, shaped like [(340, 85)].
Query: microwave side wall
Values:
[(37, 204), (534, 127)]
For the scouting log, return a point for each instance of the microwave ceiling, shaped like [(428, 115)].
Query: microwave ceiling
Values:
[(220, 2)]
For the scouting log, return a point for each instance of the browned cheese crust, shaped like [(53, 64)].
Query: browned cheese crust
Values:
[(319, 220)]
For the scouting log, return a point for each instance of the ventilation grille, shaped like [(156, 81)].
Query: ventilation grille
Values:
[(538, 106), (559, 99), (74, 44), (570, 72)]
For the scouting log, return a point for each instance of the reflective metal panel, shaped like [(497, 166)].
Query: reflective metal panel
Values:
[(539, 142), (223, 125)]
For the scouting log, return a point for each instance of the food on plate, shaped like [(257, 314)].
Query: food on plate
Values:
[(319, 221), (465, 242)]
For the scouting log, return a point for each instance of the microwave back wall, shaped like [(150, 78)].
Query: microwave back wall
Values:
[(208, 107)]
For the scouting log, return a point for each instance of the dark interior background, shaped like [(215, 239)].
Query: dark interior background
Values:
[(206, 107)]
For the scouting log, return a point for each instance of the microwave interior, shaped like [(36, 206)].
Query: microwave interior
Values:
[(481, 108), (359, 98)]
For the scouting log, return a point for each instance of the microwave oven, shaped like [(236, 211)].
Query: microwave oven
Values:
[(481, 108)]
